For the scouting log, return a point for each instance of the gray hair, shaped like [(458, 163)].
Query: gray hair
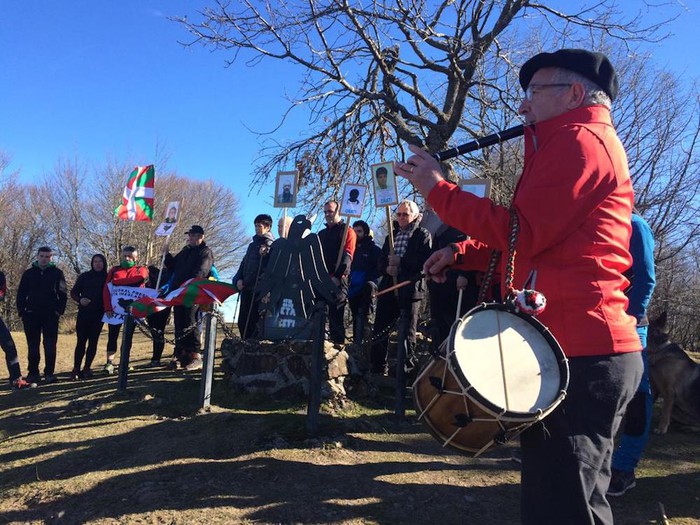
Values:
[(594, 94), (415, 210)]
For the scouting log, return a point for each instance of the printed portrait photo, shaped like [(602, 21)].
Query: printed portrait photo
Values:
[(353, 200), (172, 213), (286, 189), (384, 183)]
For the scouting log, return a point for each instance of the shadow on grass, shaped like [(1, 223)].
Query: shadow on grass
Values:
[(154, 453)]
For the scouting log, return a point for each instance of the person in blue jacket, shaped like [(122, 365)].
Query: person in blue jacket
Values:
[(635, 433), (364, 275)]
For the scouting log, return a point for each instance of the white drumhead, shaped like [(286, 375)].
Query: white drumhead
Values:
[(507, 360)]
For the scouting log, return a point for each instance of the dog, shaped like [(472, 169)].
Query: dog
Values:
[(674, 376)]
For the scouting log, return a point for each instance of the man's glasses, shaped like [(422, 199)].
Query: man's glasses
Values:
[(534, 88)]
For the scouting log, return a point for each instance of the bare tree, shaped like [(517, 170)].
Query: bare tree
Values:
[(62, 195), (379, 74)]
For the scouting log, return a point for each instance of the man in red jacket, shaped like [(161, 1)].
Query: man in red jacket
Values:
[(573, 202), (128, 273)]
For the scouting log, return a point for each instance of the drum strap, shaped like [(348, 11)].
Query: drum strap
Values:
[(510, 264)]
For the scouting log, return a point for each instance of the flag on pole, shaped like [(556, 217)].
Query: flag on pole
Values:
[(137, 201), (192, 291)]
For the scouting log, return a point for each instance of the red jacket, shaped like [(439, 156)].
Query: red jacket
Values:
[(574, 201), (135, 276)]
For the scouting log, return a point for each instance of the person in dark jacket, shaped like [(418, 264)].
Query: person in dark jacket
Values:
[(41, 300), (8, 346), (248, 275), (444, 297), (87, 292), (412, 247), (338, 245), (193, 261), (364, 276)]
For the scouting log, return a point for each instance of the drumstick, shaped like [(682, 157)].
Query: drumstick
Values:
[(400, 285), (459, 304)]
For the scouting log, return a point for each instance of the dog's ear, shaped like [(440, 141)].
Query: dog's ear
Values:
[(660, 321)]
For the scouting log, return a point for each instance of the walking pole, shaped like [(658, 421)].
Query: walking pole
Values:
[(162, 261), (391, 241), (208, 368)]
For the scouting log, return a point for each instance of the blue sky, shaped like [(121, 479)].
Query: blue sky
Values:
[(92, 79)]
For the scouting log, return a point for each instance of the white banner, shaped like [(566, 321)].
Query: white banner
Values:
[(124, 294)]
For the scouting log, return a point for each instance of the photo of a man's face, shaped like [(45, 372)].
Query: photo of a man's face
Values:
[(384, 182), (353, 200), (285, 189), (380, 174)]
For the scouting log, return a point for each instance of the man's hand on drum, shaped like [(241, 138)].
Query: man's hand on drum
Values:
[(436, 266), (421, 169)]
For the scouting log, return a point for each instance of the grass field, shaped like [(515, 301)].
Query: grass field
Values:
[(79, 452)]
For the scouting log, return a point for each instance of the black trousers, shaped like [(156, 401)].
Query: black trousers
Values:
[(36, 326), (248, 315), (388, 311), (8, 346), (361, 306), (186, 322), (157, 322), (336, 315), (113, 336), (87, 331), (443, 304), (566, 457)]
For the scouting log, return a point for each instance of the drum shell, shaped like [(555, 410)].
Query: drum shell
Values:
[(457, 414)]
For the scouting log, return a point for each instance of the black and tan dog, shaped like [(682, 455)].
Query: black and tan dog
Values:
[(674, 376)]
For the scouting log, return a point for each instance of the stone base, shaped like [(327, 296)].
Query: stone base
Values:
[(281, 369)]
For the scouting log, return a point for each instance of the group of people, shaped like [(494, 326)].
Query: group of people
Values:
[(570, 225), (42, 296)]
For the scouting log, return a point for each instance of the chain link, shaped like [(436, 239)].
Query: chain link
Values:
[(159, 335)]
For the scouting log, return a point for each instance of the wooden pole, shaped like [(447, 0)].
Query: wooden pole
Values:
[(342, 247), (391, 241)]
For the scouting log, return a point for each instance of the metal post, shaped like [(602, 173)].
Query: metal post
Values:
[(208, 358), (401, 350), (316, 371), (125, 351)]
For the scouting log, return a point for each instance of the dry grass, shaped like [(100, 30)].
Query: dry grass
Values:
[(81, 453)]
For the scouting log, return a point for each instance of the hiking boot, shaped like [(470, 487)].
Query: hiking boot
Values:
[(21, 384), (108, 368), (50, 379), (621, 482), (174, 364), (86, 373), (75, 375), (195, 364), (155, 363), (33, 378)]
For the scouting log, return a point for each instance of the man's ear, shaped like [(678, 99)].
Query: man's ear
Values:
[(577, 94)]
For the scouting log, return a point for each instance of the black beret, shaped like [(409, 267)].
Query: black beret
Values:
[(594, 66)]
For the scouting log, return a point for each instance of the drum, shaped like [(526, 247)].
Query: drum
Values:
[(498, 373)]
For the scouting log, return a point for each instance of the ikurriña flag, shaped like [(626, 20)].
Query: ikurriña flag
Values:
[(192, 291), (137, 201)]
